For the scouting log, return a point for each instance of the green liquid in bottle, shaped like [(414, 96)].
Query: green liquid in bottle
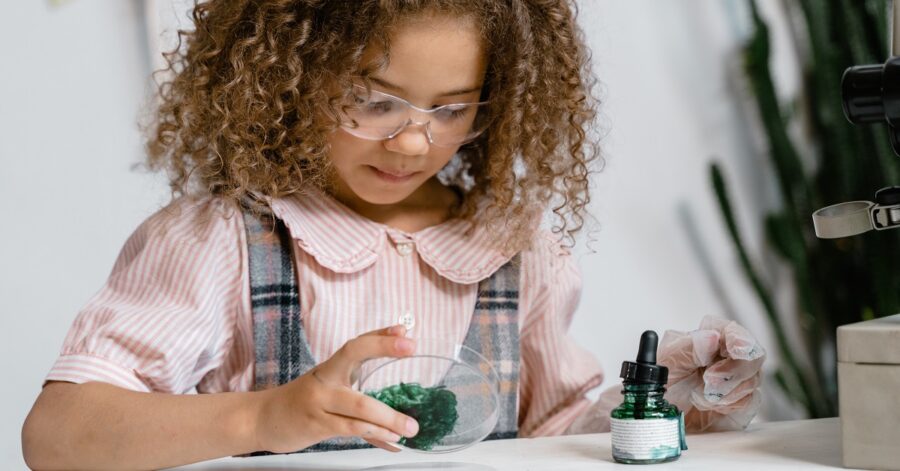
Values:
[(646, 429)]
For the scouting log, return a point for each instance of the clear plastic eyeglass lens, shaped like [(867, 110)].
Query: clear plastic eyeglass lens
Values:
[(379, 116)]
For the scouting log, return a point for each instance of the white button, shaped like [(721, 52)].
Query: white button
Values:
[(404, 248), (407, 320)]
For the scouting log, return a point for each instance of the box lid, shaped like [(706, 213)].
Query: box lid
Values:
[(874, 341)]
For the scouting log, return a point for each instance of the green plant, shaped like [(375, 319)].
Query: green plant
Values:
[(837, 281)]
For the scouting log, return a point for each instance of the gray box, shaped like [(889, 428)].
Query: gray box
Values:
[(869, 393)]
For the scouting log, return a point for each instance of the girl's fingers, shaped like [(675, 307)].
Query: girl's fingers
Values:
[(383, 445), (740, 405), (725, 375), (741, 344), (706, 346), (358, 406), (744, 389), (681, 391), (684, 352), (676, 353), (339, 369), (354, 413), (734, 417), (396, 330), (350, 427), (725, 403)]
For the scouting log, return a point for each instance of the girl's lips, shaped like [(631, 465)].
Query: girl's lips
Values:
[(391, 176)]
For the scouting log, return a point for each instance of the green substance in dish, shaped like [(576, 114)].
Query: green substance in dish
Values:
[(434, 409)]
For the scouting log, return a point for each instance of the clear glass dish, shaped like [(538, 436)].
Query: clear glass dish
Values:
[(440, 367)]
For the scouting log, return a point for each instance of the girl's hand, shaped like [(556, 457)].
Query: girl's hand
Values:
[(321, 404), (714, 374)]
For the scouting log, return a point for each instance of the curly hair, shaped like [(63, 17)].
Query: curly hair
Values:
[(253, 89)]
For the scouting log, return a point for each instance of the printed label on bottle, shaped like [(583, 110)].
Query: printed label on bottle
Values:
[(646, 439)]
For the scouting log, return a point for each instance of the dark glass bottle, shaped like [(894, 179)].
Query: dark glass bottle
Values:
[(646, 429)]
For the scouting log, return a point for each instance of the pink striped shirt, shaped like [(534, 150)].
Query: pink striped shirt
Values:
[(175, 315)]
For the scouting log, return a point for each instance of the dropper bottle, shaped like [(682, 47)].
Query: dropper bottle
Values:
[(646, 429)]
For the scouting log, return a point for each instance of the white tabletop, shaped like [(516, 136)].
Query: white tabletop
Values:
[(795, 445)]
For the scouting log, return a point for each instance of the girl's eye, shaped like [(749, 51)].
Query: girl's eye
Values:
[(373, 107), (380, 106), (453, 112)]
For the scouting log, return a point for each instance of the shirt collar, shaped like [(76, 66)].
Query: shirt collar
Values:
[(346, 242)]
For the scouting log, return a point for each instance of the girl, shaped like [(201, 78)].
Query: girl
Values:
[(350, 177)]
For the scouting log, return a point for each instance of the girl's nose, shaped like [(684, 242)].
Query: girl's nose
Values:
[(411, 141)]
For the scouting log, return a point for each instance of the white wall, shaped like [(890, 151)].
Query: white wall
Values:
[(674, 99), (73, 77)]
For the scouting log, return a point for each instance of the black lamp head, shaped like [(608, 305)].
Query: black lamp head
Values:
[(871, 94)]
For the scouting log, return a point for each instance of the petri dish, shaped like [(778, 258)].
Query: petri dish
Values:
[(450, 389)]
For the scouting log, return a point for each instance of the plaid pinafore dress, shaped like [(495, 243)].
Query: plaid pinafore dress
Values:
[(283, 352)]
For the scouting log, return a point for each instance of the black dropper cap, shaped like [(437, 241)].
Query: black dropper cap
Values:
[(644, 370)]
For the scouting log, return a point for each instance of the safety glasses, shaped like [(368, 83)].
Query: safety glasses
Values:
[(377, 116)]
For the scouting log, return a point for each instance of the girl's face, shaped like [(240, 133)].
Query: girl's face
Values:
[(434, 61)]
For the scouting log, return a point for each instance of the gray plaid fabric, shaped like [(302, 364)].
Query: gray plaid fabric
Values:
[(494, 333), (283, 352)]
